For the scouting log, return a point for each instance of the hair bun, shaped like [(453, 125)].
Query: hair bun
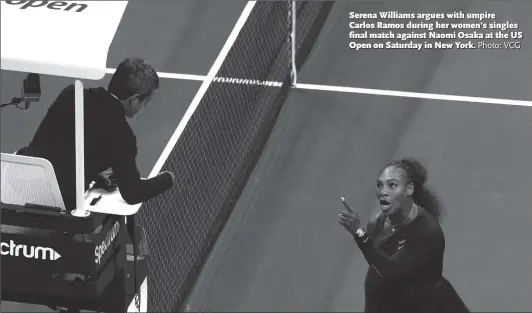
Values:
[(416, 171)]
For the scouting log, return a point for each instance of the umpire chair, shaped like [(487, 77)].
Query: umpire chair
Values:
[(50, 257)]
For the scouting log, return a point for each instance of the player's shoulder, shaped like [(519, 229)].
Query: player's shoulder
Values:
[(427, 220), (428, 225)]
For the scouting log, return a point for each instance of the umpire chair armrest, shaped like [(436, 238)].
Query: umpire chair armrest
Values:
[(109, 202)]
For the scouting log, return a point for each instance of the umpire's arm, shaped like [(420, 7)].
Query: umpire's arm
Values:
[(132, 187)]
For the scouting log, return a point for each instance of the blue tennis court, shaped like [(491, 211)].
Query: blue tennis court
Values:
[(282, 248)]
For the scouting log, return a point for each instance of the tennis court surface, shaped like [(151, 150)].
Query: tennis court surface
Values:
[(252, 223)]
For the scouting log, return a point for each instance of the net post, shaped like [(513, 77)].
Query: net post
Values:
[(293, 42), (80, 210)]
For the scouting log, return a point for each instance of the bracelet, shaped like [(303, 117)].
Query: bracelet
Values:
[(360, 232)]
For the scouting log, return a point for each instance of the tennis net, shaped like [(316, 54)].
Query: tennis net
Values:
[(222, 142)]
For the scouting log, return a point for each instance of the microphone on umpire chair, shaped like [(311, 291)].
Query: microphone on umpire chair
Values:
[(31, 92)]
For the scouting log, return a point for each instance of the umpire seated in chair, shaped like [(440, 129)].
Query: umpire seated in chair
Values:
[(110, 143)]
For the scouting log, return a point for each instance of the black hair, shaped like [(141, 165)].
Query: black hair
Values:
[(133, 76), (423, 196)]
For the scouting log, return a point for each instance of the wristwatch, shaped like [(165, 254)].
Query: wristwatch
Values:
[(360, 232)]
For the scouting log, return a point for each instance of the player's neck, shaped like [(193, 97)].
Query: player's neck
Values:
[(402, 214)]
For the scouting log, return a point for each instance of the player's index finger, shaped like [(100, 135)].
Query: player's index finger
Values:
[(347, 205)]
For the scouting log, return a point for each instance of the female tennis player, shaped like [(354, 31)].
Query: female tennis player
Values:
[(404, 246)]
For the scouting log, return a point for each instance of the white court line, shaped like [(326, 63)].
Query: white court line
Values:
[(203, 88), (419, 95), (207, 80), (346, 89)]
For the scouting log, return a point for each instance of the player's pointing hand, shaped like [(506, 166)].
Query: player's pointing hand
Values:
[(349, 218)]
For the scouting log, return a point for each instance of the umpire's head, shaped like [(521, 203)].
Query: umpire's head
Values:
[(134, 83)]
